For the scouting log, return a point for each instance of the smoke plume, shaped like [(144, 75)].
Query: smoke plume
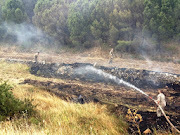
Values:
[(24, 34)]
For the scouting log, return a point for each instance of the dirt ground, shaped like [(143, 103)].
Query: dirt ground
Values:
[(95, 56)]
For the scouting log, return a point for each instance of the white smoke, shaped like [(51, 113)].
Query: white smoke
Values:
[(92, 71), (25, 34)]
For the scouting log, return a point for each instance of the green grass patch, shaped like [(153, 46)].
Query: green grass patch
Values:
[(10, 106)]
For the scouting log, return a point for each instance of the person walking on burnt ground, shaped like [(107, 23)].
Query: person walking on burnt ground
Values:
[(111, 56), (36, 57)]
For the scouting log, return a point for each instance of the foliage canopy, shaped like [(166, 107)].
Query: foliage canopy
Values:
[(85, 23)]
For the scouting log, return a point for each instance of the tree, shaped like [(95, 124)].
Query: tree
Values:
[(115, 20), (114, 32), (29, 6), (136, 7), (100, 20), (177, 18), (51, 16), (0, 15), (79, 21), (18, 15), (2, 29), (159, 18), (13, 11)]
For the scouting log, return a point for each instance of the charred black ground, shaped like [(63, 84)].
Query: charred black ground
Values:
[(119, 98), (118, 102), (139, 78)]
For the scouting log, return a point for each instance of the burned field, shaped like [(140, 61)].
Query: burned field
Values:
[(95, 87)]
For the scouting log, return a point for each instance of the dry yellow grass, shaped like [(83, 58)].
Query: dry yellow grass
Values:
[(56, 117)]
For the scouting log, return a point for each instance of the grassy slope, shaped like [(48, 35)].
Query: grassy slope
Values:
[(56, 115)]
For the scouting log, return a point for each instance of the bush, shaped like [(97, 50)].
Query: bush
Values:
[(123, 46), (87, 44), (9, 105), (172, 49)]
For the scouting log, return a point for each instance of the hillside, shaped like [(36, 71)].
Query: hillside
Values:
[(114, 54), (55, 115), (53, 112)]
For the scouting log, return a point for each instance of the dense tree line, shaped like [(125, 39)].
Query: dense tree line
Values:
[(161, 18), (13, 11), (97, 22)]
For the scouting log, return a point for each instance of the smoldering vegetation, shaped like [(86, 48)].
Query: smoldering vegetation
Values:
[(86, 72), (93, 89)]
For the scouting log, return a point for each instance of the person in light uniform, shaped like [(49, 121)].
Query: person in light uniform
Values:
[(161, 101), (36, 57), (111, 56)]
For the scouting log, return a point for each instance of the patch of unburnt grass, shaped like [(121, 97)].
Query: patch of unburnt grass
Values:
[(55, 115)]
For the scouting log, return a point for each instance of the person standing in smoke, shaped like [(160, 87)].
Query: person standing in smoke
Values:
[(161, 102), (36, 57), (111, 56)]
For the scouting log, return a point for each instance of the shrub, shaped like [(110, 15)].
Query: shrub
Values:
[(172, 48), (123, 46), (9, 105), (87, 44), (135, 119)]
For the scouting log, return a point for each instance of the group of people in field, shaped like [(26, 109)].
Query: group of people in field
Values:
[(160, 98), (111, 56)]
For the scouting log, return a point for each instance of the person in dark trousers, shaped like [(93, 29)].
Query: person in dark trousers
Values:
[(36, 57), (80, 100)]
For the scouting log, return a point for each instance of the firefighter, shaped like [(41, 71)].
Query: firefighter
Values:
[(161, 102), (111, 56), (36, 57), (81, 100)]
